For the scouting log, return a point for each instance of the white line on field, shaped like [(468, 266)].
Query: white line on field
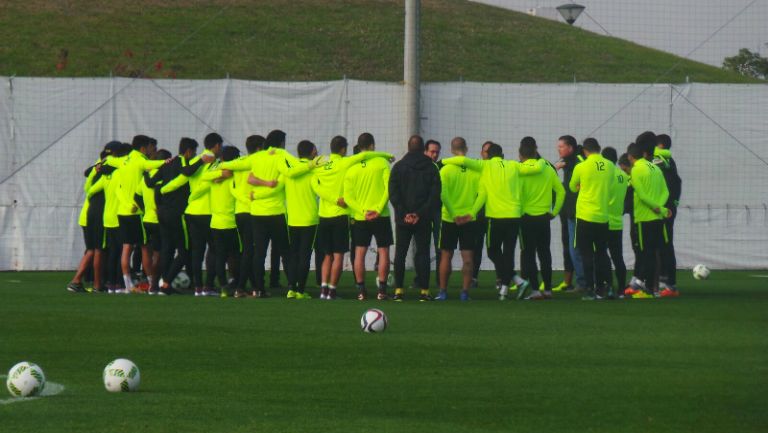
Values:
[(51, 388), (759, 276)]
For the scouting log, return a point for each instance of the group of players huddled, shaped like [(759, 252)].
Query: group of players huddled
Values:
[(226, 209)]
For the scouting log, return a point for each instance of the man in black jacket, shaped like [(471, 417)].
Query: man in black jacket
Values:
[(668, 168), (414, 190), (570, 155)]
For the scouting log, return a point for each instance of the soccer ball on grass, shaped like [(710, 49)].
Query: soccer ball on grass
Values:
[(181, 282), (700, 272), (25, 379), (373, 320), (121, 375)]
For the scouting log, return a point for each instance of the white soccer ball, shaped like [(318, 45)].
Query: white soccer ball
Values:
[(700, 272), (374, 320), (121, 375), (181, 282), (25, 379)]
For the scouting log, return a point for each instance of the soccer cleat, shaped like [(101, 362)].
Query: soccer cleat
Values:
[(541, 286), (362, 296), (240, 294), (536, 295), (522, 289), (75, 288), (382, 295), (503, 292), (398, 297), (642, 295), (669, 293), (629, 291), (547, 294), (560, 287), (224, 293), (331, 295), (303, 295), (473, 284), (441, 296), (324, 292), (464, 296), (291, 294), (425, 297), (198, 292), (210, 292)]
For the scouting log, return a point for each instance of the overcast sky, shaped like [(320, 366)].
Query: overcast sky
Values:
[(676, 26)]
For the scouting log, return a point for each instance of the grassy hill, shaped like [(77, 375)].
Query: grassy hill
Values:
[(316, 40)]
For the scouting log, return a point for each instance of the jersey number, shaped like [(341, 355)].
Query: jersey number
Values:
[(600, 165)]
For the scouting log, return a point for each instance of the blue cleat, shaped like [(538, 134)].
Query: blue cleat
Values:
[(441, 296), (464, 296)]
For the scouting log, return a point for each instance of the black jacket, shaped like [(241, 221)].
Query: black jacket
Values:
[(414, 187), (174, 202), (674, 183), (569, 203)]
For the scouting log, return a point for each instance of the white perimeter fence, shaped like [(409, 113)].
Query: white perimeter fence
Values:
[(51, 129)]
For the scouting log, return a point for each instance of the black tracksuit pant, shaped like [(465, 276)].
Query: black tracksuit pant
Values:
[(592, 243), (501, 241), (199, 228), (266, 229), (535, 238), (422, 234), (226, 243), (616, 251), (174, 249), (301, 243), (667, 253)]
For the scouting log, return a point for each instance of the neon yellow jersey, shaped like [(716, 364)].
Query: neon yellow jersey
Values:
[(110, 184), (240, 188), (593, 179), (366, 188), (201, 203), (328, 181), (459, 190), (83, 219), (273, 164), (536, 191), (650, 191), (132, 171), (499, 189), (301, 200), (150, 207), (616, 203), (223, 203)]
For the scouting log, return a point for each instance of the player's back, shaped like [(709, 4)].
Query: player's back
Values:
[(536, 189), (368, 181), (301, 201), (265, 166), (616, 202), (500, 180), (595, 177), (459, 188)]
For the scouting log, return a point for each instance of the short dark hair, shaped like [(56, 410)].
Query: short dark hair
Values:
[(152, 141), (528, 147), (187, 143), (495, 150), (570, 141), (636, 150), (430, 141), (124, 149), (211, 140), (664, 140), (162, 154), (591, 145), (365, 141), (275, 138), (228, 153), (647, 142), (356, 149), (254, 143), (610, 154), (305, 148), (338, 143), (624, 160), (459, 144), (140, 141), (416, 143)]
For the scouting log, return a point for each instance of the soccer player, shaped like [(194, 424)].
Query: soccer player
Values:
[(593, 179), (174, 251), (570, 156), (414, 190), (432, 149), (366, 194), (663, 159), (151, 222), (482, 228), (459, 187), (197, 215), (616, 223), (302, 208), (241, 190), (499, 191), (109, 183), (650, 196), (92, 221), (538, 209), (129, 210), (333, 238)]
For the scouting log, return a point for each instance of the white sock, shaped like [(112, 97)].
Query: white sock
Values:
[(504, 290), (518, 280), (128, 281), (149, 280)]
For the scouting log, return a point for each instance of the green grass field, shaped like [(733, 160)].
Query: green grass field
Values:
[(692, 364), (286, 40)]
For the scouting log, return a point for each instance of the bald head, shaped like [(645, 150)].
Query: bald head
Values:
[(459, 146), (416, 144)]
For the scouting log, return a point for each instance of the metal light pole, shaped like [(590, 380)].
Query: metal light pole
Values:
[(411, 67)]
